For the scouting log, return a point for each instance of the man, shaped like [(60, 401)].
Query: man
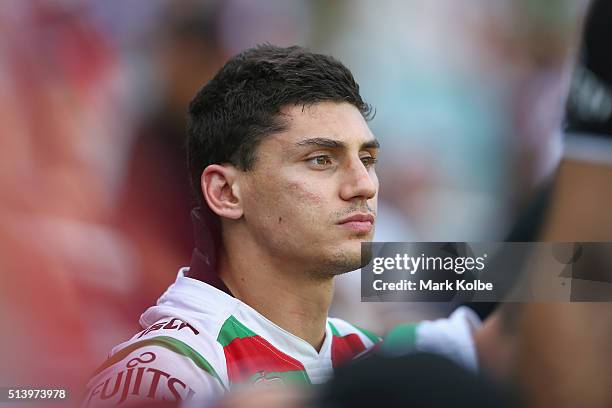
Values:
[(283, 163)]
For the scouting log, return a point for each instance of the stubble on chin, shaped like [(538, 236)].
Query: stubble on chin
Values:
[(340, 262)]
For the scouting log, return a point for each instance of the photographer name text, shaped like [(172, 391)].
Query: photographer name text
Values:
[(431, 285)]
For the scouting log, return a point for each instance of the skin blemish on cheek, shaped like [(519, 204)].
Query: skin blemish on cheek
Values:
[(280, 219), (300, 190)]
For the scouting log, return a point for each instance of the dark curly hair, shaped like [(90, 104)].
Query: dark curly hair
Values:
[(241, 104)]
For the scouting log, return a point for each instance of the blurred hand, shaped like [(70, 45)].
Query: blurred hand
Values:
[(268, 397)]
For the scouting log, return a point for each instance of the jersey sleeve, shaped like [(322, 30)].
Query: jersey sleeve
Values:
[(160, 368), (451, 337)]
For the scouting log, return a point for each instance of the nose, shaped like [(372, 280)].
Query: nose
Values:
[(358, 182)]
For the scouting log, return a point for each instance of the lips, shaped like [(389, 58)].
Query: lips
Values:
[(361, 223)]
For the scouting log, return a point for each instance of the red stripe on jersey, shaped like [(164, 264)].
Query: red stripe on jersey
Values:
[(345, 348), (251, 355)]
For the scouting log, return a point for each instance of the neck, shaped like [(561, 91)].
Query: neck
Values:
[(284, 293), (580, 205)]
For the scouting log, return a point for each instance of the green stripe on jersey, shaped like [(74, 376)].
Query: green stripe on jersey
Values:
[(373, 338), (169, 343), (233, 329), (335, 331), (401, 338)]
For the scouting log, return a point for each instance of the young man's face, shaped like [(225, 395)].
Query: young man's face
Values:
[(311, 195)]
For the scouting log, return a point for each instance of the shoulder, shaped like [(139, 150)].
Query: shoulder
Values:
[(342, 328), (171, 360), (350, 342)]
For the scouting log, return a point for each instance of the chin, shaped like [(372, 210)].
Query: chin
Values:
[(346, 257)]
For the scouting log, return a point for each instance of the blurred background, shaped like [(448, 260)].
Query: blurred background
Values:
[(474, 113)]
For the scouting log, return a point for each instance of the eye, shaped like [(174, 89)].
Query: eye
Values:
[(368, 161), (320, 160)]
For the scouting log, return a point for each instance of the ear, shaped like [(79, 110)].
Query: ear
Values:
[(221, 191)]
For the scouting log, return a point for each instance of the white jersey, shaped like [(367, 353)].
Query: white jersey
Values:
[(198, 342)]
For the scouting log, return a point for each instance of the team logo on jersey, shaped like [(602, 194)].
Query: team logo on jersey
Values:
[(263, 380)]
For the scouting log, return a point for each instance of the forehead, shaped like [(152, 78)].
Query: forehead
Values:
[(338, 121)]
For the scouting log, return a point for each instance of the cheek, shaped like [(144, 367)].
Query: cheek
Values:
[(304, 207), (288, 204), (299, 192), (308, 213)]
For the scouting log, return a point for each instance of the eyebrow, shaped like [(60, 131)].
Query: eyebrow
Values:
[(335, 144)]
